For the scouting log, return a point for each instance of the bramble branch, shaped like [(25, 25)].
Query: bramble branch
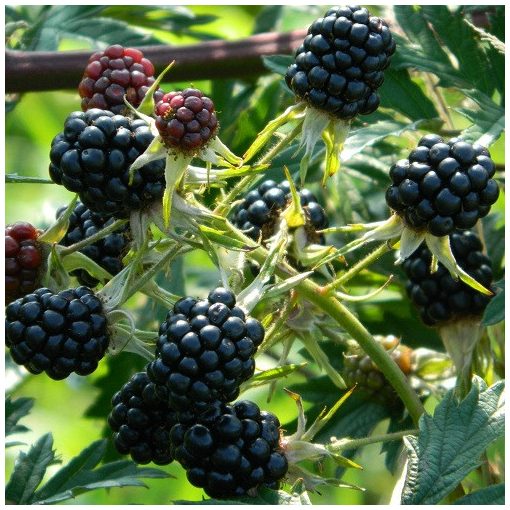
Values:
[(28, 71)]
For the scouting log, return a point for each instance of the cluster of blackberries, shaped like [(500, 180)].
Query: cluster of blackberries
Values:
[(23, 259), (92, 157), (438, 297), (258, 213), (230, 449), (341, 63), (204, 351), (114, 73), (178, 408), (57, 333), (107, 252), (141, 422), (186, 119), (360, 370), (443, 186)]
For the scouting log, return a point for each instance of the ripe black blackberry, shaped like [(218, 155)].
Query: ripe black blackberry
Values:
[(92, 157), (261, 208), (443, 186), (441, 299), (205, 351), (23, 260), (141, 422), (341, 63), (186, 119), (107, 252), (360, 370), (57, 333), (114, 73), (230, 450)]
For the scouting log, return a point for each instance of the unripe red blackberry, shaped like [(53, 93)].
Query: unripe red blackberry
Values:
[(443, 185), (23, 260), (186, 120), (204, 351), (107, 252), (341, 63), (57, 333), (141, 422), (92, 157), (114, 73), (258, 214), (441, 299), (360, 370), (230, 449)]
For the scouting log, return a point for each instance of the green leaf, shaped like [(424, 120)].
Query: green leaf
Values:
[(363, 137), (268, 18), (122, 473), (86, 460), (404, 95), (14, 411), (278, 63), (450, 443), (488, 120), (492, 495), (29, 470), (495, 311)]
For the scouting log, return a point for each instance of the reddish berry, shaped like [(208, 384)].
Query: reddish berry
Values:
[(114, 73), (23, 259), (186, 120)]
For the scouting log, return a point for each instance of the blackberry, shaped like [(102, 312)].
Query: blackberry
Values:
[(186, 119), (114, 73), (57, 333), (341, 63), (230, 449), (360, 370), (258, 213), (438, 297), (107, 252), (443, 185), (141, 422), (23, 260), (92, 157), (205, 351)]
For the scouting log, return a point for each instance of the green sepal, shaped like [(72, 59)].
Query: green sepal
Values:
[(334, 137), (148, 104), (175, 168), (78, 260), (291, 113), (222, 238), (441, 249), (294, 214), (58, 230), (271, 375)]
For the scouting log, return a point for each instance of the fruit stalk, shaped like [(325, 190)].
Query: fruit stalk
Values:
[(353, 444), (346, 319), (359, 266)]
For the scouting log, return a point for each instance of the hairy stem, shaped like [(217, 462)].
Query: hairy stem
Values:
[(359, 266), (248, 181), (349, 322), (352, 444), (92, 239)]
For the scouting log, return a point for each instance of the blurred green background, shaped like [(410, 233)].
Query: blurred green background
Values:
[(37, 117)]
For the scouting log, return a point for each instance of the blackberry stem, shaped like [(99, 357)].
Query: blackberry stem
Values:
[(247, 181), (352, 444), (349, 322), (92, 239), (359, 266)]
